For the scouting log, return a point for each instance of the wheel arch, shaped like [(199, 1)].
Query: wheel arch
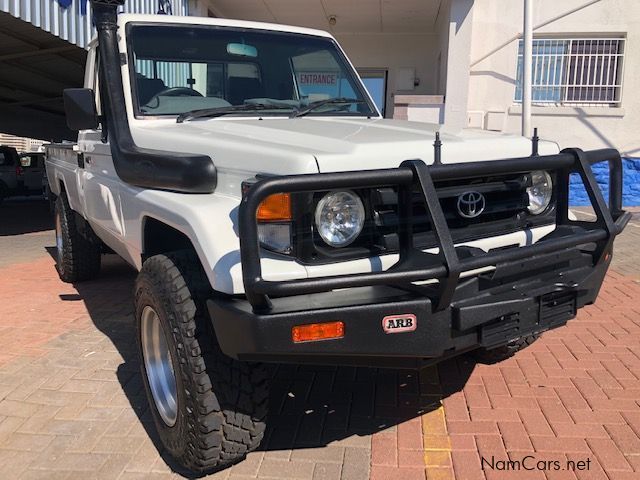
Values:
[(62, 185), (159, 237), (58, 186), (71, 194)]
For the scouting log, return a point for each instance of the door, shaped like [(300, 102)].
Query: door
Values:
[(97, 179)]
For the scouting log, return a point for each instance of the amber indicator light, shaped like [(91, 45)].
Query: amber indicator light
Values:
[(275, 208), (317, 331)]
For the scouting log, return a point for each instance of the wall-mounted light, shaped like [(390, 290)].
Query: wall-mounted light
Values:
[(333, 20)]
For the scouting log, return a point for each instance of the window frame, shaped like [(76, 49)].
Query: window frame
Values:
[(350, 70), (573, 68)]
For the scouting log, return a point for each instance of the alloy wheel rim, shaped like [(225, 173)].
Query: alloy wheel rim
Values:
[(159, 367)]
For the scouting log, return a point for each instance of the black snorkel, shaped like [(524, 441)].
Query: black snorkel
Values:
[(142, 167)]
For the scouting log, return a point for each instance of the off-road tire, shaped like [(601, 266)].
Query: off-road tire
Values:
[(495, 355), (78, 259), (221, 402)]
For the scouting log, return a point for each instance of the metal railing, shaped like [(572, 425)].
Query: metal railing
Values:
[(575, 71)]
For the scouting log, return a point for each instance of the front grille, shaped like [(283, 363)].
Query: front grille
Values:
[(505, 209)]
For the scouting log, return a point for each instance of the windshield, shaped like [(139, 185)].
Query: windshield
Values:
[(177, 69)]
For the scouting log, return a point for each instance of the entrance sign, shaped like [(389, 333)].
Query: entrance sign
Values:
[(318, 78)]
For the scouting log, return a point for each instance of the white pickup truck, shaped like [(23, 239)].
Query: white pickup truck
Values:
[(275, 216)]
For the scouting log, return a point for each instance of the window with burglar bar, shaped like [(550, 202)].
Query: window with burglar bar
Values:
[(577, 71)]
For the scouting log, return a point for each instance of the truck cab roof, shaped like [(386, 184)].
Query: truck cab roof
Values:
[(219, 22)]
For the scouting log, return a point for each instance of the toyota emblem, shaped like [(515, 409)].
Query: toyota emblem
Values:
[(471, 204)]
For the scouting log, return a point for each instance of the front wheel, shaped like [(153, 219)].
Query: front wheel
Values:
[(209, 409)]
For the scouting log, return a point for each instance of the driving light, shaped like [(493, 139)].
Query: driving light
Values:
[(540, 192), (339, 218)]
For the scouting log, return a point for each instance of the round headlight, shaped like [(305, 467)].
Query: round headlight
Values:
[(540, 192), (339, 218)]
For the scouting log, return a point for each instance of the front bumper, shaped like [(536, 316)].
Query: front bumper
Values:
[(532, 288), (486, 311)]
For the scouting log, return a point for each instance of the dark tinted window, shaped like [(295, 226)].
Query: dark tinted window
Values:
[(8, 156)]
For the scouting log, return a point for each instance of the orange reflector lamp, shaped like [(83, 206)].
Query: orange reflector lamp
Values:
[(317, 331), (275, 208)]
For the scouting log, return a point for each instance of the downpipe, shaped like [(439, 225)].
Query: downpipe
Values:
[(141, 167)]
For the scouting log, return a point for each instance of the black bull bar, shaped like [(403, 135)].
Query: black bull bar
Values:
[(447, 265)]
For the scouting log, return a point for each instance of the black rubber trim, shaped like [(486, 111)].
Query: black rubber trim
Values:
[(142, 167)]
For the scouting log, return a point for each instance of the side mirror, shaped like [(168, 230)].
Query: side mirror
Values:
[(80, 108)]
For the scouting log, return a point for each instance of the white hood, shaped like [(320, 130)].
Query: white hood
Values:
[(306, 145)]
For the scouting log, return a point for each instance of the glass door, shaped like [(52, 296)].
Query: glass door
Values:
[(375, 80)]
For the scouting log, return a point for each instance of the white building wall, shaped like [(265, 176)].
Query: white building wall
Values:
[(460, 38), (22, 144), (442, 47), (494, 45), (393, 52)]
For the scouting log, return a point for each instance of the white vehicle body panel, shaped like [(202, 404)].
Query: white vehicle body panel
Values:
[(242, 147)]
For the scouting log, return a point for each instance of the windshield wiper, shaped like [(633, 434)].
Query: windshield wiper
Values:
[(219, 111), (320, 103)]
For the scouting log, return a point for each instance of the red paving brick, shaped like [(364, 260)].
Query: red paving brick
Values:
[(574, 395), (50, 311), (466, 465), (403, 473), (515, 437), (384, 449)]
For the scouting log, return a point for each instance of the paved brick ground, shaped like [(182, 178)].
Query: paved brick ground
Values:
[(72, 405), (25, 227)]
